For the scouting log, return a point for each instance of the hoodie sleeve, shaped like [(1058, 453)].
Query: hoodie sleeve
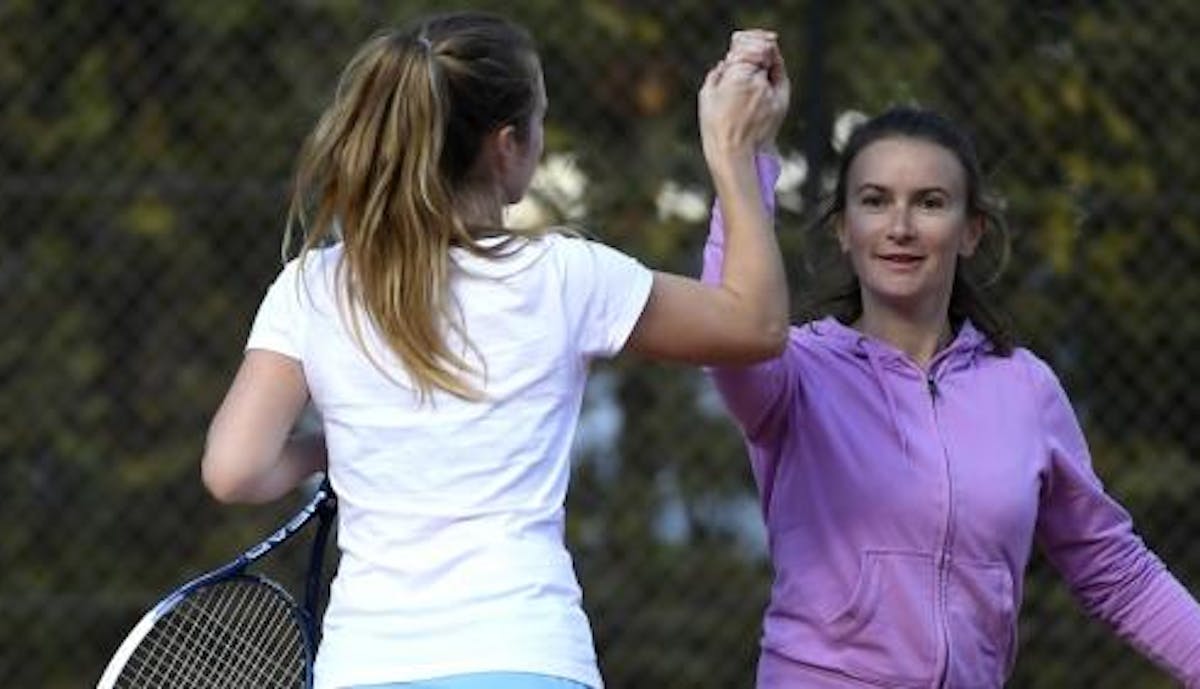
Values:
[(1090, 539), (753, 394)]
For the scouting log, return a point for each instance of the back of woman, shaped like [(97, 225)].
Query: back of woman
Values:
[(451, 508)]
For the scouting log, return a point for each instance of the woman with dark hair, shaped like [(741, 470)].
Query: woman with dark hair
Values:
[(447, 354), (907, 454)]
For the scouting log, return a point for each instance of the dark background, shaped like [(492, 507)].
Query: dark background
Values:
[(145, 148)]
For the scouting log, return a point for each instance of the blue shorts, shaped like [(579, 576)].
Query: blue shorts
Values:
[(485, 680)]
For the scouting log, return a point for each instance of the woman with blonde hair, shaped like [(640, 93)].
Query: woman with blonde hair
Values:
[(447, 354)]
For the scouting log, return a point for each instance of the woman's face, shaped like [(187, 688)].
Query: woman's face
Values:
[(905, 224)]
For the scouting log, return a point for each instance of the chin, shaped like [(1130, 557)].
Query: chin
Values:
[(891, 292), (899, 297)]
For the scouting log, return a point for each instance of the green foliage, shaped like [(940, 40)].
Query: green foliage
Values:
[(145, 149)]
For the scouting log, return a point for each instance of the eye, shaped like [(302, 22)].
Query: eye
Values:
[(932, 202), (872, 200)]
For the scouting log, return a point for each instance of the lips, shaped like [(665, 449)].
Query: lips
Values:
[(901, 260)]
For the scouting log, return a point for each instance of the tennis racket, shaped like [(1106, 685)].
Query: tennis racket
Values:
[(230, 629)]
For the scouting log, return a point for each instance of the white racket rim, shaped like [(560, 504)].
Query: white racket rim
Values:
[(120, 658)]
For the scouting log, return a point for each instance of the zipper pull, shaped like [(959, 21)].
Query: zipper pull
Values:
[(932, 384)]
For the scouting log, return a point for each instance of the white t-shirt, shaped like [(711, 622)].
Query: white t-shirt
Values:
[(451, 514)]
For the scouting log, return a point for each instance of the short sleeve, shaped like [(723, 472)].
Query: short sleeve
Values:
[(605, 294), (279, 325)]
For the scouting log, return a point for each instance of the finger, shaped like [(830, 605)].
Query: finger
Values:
[(753, 35), (741, 70), (753, 47), (777, 70), (760, 55), (752, 43), (765, 53), (719, 67), (713, 77), (756, 61)]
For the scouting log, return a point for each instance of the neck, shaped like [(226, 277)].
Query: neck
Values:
[(480, 209), (920, 336)]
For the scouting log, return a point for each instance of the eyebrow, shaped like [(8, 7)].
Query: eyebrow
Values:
[(870, 186)]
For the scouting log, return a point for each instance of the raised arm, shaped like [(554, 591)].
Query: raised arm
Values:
[(758, 49), (754, 394), (743, 317)]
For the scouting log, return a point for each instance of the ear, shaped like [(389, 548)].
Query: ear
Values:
[(506, 148), (497, 153), (970, 240), (839, 231)]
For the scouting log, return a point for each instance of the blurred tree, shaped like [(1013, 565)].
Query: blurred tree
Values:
[(145, 151)]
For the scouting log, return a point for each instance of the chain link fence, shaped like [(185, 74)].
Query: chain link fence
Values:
[(145, 149)]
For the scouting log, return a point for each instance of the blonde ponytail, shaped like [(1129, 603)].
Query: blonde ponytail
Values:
[(380, 173)]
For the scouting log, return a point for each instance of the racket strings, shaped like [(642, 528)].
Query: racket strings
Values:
[(223, 652), (236, 656), (233, 635), (226, 641)]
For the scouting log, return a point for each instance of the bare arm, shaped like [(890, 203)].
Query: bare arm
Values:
[(744, 317), (250, 455)]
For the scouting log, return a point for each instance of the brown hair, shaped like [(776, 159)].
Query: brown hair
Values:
[(838, 292), (385, 164)]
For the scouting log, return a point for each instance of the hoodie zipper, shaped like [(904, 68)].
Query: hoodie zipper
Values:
[(941, 604), (948, 537)]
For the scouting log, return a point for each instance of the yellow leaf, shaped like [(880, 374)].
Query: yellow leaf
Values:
[(150, 217)]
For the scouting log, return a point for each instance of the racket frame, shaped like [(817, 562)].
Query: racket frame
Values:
[(322, 505)]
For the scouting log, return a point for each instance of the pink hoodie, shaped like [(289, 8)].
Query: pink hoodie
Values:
[(901, 508)]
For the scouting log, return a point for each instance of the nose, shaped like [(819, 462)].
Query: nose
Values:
[(900, 226)]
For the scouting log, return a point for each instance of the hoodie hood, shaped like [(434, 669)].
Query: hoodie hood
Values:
[(968, 340), (962, 352)]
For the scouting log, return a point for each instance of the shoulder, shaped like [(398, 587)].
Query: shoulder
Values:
[(804, 338), (562, 258), (1036, 370), (1043, 383), (520, 252), (1020, 367), (814, 333), (311, 275), (825, 338), (569, 243), (584, 257), (814, 351), (312, 262), (560, 243)]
